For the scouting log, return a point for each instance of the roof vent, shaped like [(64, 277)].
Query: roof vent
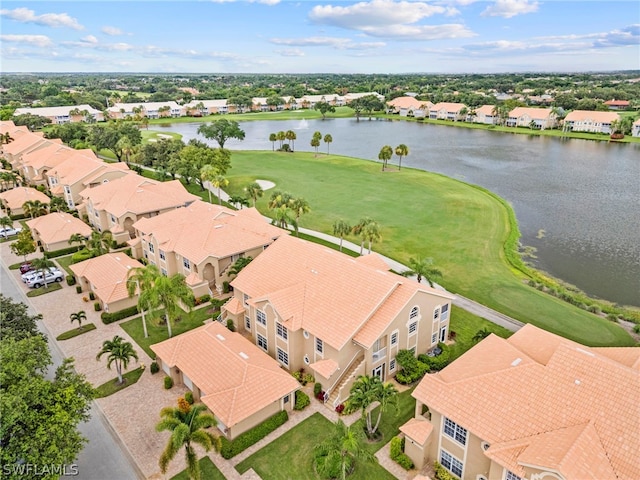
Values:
[(244, 355), (315, 272), (220, 337), (577, 382), (218, 226), (516, 362)]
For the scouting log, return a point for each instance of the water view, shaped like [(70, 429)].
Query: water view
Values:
[(577, 201)]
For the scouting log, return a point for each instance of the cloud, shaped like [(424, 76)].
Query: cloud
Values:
[(264, 2), (510, 8), (89, 39), (627, 36), (92, 42), (34, 40), (24, 15), (290, 52), (332, 42), (111, 31)]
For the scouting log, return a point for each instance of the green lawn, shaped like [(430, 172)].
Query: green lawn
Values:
[(208, 471), (74, 332), (158, 333), (111, 387), (466, 325), (64, 263), (51, 287), (463, 227)]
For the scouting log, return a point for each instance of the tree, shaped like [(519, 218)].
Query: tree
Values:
[(238, 265), (385, 155), (120, 353), (282, 217), (359, 230), (207, 174), (290, 135), (140, 280), (358, 107), (218, 182), (168, 293), (35, 208), (273, 138), (481, 334), (58, 204), (371, 103), (108, 137), (402, 151), (254, 191), (15, 321), (336, 456), (6, 222), (299, 206), (240, 101), (315, 140), (6, 138), (77, 238), (279, 198), (371, 232), (238, 201), (187, 424), (422, 268), (221, 131), (328, 139), (369, 389), (99, 242), (43, 266), (78, 317), (341, 229), (24, 244), (324, 108)]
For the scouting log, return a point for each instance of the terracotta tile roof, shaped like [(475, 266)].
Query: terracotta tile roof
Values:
[(448, 106), (48, 156), (624, 355), (75, 168), (617, 103), (323, 291), (373, 260), (252, 380), (108, 274), (485, 110), (133, 193), (326, 368), (533, 113), (563, 385), (234, 306), (409, 103), (417, 429), (16, 197), (595, 117), (193, 279), (58, 227), (202, 230), (23, 142)]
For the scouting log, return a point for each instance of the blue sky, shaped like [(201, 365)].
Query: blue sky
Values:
[(279, 36)]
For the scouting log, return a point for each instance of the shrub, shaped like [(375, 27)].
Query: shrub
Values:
[(225, 287), (189, 397), (119, 315), (71, 280), (340, 409), (168, 383), (92, 296), (442, 473), (594, 309), (82, 255), (612, 317), (232, 448), (636, 328), (317, 388), (203, 299), (308, 378), (437, 363), (320, 395), (154, 368), (532, 283), (297, 375), (411, 369), (302, 400), (62, 252), (397, 453), (97, 306), (78, 289), (230, 325)]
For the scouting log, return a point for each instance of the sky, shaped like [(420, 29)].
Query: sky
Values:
[(308, 36)]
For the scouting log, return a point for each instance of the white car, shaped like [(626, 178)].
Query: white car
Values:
[(49, 277), (6, 232), (34, 273)]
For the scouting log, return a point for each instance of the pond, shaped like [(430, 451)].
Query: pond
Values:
[(577, 201)]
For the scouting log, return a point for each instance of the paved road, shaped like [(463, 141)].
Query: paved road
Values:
[(104, 457)]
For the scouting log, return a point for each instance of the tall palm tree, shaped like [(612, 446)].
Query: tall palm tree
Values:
[(6, 138), (278, 199), (299, 206), (6, 222), (168, 293), (372, 233), (100, 243), (481, 334), (402, 151), (369, 389), (238, 265), (385, 155), (422, 268), (336, 456), (358, 230), (290, 135), (281, 136), (140, 280), (77, 238), (78, 317), (58, 204), (341, 229), (219, 181), (254, 191), (273, 138), (282, 217), (328, 139), (207, 174), (43, 266), (120, 354), (35, 208), (187, 424)]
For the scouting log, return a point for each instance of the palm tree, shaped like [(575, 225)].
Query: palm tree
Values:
[(140, 280), (168, 293), (35, 208), (207, 174), (254, 191), (6, 222), (273, 138), (358, 230), (219, 181), (281, 136), (481, 334), (238, 265), (239, 201), (328, 139), (279, 198), (187, 424), (369, 389), (43, 266), (120, 354), (77, 238), (341, 229), (6, 138), (402, 151), (372, 233), (299, 206), (385, 155), (336, 456), (282, 217), (58, 204), (78, 317), (290, 135), (422, 268), (100, 243)]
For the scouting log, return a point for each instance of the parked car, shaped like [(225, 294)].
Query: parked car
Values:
[(49, 277), (6, 232), (26, 267), (32, 273)]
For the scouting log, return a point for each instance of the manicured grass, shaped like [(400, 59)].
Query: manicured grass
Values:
[(64, 263), (320, 241), (464, 228), (466, 325), (112, 386), (208, 471), (76, 331), (291, 455), (15, 266), (156, 136), (51, 287), (158, 333)]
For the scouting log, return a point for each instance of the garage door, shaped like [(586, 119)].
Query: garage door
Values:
[(166, 368), (187, 382)]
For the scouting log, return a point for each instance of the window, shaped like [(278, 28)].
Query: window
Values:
[(306, 360), (247, 322), (319, 346), (413, 327), (415, 312), (67, 189), (245, 299), (392, 365), (164, 271), (444, 312), (434, 338), (451, 463), (286, 399), (455, 431), (151, 247), (394, 338), (283, 357), (261, 318), (186, 263), (281, 331), (511, 476), (436, 313), (161, 253), (97, 214), (113, 219), (261, 342)]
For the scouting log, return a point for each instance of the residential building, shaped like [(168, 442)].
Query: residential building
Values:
[(484, 114), (635, 129), (106, 276), (207, 107), (23, 143), (53, 231), (8, 127), (15, 198), (534, 406), (311, 307), (240, 384), (37, 163), (146, 109), (350, 97), (202, 242), (447, 111), (538, 118), (117, 204), (617, 104), (65, 114), (590, 121), (409, 107)]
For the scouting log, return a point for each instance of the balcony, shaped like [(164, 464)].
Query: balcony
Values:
[(379, 355)]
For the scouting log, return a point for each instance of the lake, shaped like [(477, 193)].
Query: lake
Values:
[(577, 201)]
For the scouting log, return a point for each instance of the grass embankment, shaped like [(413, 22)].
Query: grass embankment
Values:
[(74, 332), (208, 471), (51, 287), (463, 227), (112, 386)]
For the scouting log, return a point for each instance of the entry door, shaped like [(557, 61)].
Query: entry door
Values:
[(379, 371), (443, 334)]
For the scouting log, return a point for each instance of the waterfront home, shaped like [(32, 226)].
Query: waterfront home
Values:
[(311, 307), (447, 111), (409, 107), (206, 107), (309, 101), (202, 242), (37, 163), (146, 109), (590, 121), (534, 406), (64, 114), (538, 118), (53, 231), (115, 205), (350, 97), (485, 114), (15, 198), (240, 384), (106, 276)]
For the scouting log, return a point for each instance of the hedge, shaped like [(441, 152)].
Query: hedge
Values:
[(439, 362), (442, 473), (119, 315), (397, 453), (302, 400), (62, 252), (232, 448)]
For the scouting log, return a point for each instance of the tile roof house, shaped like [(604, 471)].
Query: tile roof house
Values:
[(207, 107), (239, 383), (447, 111), (54, 230), (106, 276), (64, 114), (8, 127), (37, 163), (146, 109), (539, 118), (590, 121), (617, 104), (534, 406), (24, 142), (16, 197), (115, 205), (484, 114), (202, 242), (409, 107), (311, 307)]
